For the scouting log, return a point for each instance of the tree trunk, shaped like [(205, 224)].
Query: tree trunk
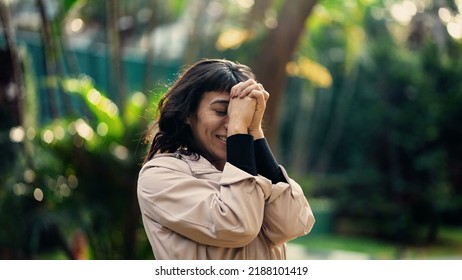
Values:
[(117, 85), (119, 88), (257, 14), (50, 60), (153, 21), (276, 52), (16, 100)]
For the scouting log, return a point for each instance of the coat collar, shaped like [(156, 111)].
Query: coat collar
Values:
[(197, 164)]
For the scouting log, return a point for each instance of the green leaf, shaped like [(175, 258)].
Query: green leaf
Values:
[(69, 4), (134, 109), (105, 111)]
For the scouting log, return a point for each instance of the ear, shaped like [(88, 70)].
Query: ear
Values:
[(188, 120)]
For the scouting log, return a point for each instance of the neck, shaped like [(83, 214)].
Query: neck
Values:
[(219, 164)]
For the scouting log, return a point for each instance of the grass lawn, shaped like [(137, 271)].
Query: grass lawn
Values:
[(448, 246)]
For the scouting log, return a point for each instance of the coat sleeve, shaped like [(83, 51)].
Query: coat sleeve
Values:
[(228, 213), (287, 212)]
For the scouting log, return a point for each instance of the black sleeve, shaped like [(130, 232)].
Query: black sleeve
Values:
[(240, 152), (267, 165)]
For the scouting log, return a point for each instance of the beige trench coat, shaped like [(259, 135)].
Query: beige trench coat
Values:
[(191, 210)]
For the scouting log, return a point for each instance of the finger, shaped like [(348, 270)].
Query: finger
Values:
[(260, 94), (264, 91), (237, 89), (266, 94), (257, 94), (252, 86), (246, 91)]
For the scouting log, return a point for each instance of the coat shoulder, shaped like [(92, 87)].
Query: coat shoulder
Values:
[(171, 161)]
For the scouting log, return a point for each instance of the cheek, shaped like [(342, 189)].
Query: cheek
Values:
[(212, 123)]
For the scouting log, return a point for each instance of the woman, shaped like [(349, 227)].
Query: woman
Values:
[(210, 187)]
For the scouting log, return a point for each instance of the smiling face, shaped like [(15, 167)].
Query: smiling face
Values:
[(209, 126)]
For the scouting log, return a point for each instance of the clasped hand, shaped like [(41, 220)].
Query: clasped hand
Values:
[(246, 108)]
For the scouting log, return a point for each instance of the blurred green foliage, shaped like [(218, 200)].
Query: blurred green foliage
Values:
[(78, 178), (384, 140)]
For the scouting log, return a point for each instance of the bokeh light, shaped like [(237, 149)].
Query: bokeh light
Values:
[(38, 194), (48, 136), (29, 176), (233, 38), (77, 25), (403, 12), (19, 189), (246, 4), (102, 129), (310, 70), (72, 181), (17, 134), (120, 152), (84, 130)]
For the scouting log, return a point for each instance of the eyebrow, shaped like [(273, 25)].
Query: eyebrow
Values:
[(220, 101)]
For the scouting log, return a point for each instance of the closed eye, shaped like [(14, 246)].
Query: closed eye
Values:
[(221, 113), (220, 106)]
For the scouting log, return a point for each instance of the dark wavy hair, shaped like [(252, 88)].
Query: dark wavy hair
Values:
[(182, 99)]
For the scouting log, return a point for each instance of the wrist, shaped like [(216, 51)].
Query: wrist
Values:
[(237, 129), (257, 133)]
